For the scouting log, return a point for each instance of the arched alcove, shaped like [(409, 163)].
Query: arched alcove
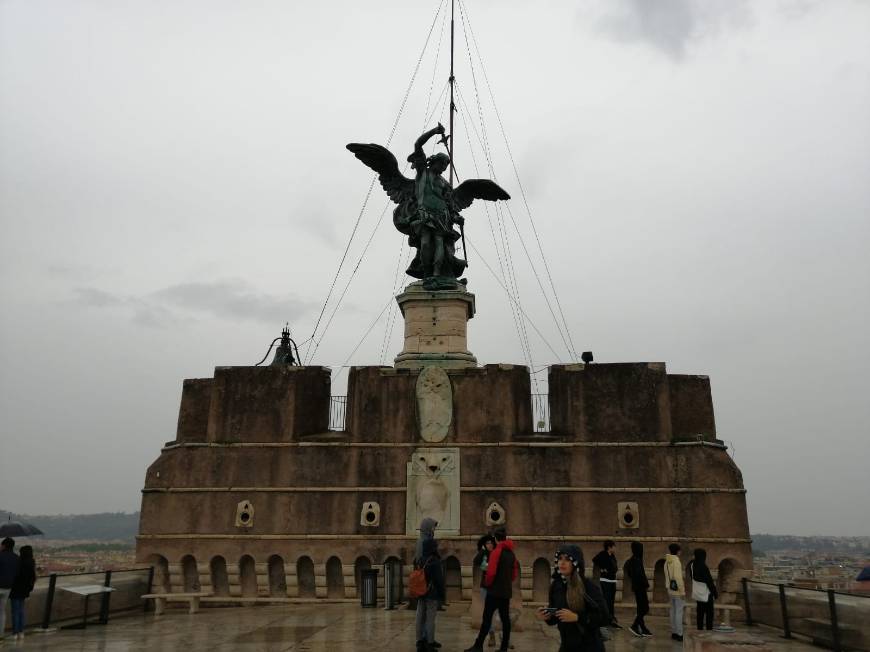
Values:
[(334, 578), (728, 580), (305, 577), (248, 576), (161, 573), (453, 579), (190, 574), (277, 577), (660, 585), (220, 583), (541, 574)]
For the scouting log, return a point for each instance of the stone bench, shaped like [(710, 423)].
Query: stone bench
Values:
[(160, 600)]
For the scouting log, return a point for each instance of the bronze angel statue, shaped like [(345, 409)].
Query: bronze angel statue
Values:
[(428, 207)]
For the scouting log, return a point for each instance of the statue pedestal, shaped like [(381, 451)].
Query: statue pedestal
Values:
[(436, 324)]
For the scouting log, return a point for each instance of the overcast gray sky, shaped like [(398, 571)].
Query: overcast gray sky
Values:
[(174, 186)]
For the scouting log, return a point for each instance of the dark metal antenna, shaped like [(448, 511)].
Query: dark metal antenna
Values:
[(450, 139)]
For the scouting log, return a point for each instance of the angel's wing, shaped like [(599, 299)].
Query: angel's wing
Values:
[(471, 189), (379, 159)]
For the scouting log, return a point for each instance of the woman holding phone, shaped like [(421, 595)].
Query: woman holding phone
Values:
[(576, 605)]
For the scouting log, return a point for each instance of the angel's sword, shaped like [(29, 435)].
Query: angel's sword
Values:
[(464, 249)]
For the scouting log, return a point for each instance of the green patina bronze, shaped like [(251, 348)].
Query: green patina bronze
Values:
[(428, 208)]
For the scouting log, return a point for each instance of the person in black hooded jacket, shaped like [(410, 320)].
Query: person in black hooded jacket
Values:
[(605, 562), (580, 607), (704, 587), (427, 605), (634, 578)]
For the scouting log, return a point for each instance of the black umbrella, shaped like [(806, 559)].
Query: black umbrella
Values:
[(18, 529)]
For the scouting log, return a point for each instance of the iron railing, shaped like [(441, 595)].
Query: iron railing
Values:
[(541, 412), (831, 619), (337, 412), (50, 602)]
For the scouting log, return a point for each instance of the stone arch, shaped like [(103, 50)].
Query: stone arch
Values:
[(453, 579), (728, 580), (362, 563), (248, 576), (541, 574), (220, 582), (334, 578), (161, 573), (305, 577), (660, 585), (277, 577), (190, 574)]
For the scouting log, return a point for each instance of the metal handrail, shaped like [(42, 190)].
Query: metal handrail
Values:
[(97, 572), (804, 588), (104, 598)]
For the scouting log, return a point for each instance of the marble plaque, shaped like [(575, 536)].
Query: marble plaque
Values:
[(433, 490)]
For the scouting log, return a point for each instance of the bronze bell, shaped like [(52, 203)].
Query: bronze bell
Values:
[(284, 352)]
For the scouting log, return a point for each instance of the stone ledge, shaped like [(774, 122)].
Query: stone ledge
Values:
[(402, 489), (597, 538), (470, 444)]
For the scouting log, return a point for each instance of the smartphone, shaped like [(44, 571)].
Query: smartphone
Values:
[(550, 611)]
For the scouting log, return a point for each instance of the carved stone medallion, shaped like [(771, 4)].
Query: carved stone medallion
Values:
[(434, 404)]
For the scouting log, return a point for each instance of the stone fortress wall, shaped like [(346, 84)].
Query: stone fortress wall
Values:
[(256, 497)]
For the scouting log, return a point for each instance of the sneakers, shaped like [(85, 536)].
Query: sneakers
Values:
[(645, 631), (634, 629), (676, 637)]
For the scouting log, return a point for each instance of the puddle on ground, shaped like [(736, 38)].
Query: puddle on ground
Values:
[(279, 634)]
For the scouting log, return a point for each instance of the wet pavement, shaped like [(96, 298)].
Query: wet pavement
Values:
[(328, 627)]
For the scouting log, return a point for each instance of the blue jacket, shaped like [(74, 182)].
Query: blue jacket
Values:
[(8, 568)]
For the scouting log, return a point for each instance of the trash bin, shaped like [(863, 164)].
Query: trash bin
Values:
[(369, 593), (392, 584)]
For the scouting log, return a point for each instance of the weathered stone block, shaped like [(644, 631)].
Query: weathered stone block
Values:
[(610, 402), (194, 409), (268, 404), (691, 407), (381, 404), (492, 403)]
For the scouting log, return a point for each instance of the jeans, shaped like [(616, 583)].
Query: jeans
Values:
[(483, 601), (705, 613), (641, 599), (677, 605), (4, 595), (609, 591), (427, 610), (17, 615), (493, 604)]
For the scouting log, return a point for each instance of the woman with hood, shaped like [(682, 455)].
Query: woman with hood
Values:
[(427, 558), (576, 605), (634, 578), (703, 588), (21, 588), (485, 545)]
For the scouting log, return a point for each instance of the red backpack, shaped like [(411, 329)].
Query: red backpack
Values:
[(417, 584)]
